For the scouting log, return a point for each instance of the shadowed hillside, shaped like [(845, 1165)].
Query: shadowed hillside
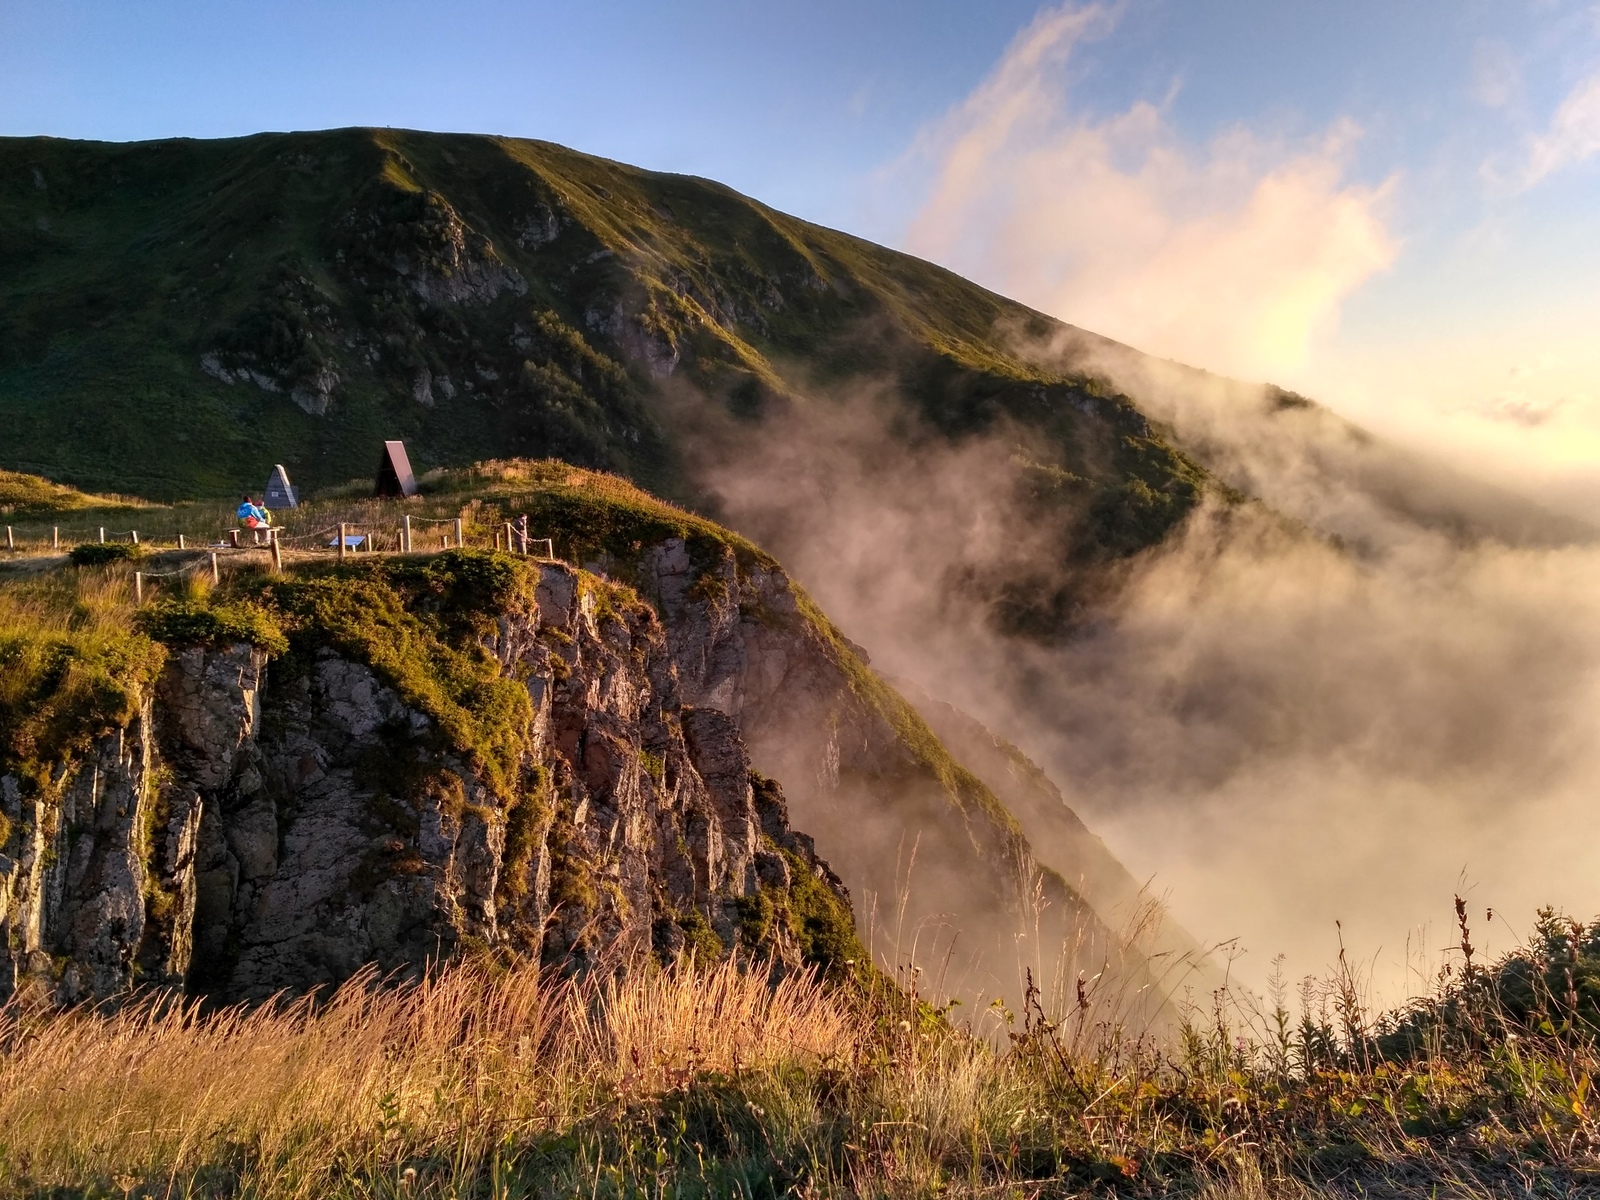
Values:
[(178, 316)]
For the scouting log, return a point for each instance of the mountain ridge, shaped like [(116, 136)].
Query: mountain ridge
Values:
[(363, 299), (182, 314), (339, 763)]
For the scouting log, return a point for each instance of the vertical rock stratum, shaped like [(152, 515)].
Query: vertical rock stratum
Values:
[(401, 759), (254, 828)]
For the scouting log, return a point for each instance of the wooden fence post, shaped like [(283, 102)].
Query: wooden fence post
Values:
[(277, 551), (135, 534), (102, 533), (405, 538), (55, 537), (181, 546), (341, 541), (459, 542), (216, 571), (138, 587), (11, 542)]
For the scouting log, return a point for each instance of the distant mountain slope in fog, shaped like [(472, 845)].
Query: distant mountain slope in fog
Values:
[(1134, 911), (1309, 462), (178, 316)]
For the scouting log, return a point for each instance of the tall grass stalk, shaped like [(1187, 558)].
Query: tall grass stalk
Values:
[(687, 1081), (299, 1098)]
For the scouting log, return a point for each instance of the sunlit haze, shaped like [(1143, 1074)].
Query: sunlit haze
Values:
[(1392, 209)]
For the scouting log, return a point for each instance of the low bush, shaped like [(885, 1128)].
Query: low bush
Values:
[(98, 554), (197, 622)]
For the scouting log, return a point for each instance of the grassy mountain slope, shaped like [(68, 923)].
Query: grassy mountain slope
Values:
[(30, 494), (177, 316)]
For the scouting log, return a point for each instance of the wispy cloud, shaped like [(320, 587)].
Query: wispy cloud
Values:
[(1232, 256), (1496, 74), (1573, 135)]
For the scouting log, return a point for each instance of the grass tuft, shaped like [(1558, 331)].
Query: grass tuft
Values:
[(716, 1081)]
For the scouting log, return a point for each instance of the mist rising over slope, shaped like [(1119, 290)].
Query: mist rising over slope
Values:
[(1029, 521), (1284, 729)]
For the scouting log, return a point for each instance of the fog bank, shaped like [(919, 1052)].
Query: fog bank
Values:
[(1283, 730)]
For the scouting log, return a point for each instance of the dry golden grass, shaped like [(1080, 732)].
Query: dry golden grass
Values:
[(89, 600), (716, 1082), (295, 1099)]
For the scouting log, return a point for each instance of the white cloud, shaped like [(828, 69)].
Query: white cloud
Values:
[(1508, 396), (1496, 74), (1573, 136), (1233, 256)]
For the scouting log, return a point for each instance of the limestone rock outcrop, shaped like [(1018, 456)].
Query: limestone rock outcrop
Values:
[(523, 759), (266, 826), (922, 841)]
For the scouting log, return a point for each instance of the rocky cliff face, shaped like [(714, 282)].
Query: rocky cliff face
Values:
[(931, 854), (471, 752), (263, 826)]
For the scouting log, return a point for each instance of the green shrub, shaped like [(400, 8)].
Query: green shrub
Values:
[(60, 691), (699, 938), (96, 554), (192, 622), (821, 922)]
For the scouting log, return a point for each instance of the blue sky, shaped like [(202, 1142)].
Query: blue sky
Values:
[(793, 102), (1394, 207)]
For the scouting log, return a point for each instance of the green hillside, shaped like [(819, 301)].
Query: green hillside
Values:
[(177, 316)]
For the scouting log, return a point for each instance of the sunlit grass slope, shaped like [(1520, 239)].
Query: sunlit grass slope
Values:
[(30, 495), (483, 297), (689, 1081)]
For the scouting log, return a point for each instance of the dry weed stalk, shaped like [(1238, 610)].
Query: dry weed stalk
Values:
[(721, 1081), (296, 1095)]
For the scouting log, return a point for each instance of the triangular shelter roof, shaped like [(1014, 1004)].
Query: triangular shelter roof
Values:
[(280, 492), (394, 472)]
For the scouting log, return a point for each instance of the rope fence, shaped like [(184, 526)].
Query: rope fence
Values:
[(344, 538), (139, 577), (295, 538)]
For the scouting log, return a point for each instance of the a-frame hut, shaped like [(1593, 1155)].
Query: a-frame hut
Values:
[(394, 472), (280, 492)]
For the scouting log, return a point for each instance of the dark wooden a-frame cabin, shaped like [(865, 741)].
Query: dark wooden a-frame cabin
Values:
[(394, 472)]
